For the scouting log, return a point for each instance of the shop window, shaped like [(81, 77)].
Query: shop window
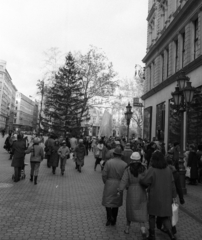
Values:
[(160, 121), (147, 123), (194, 119), (174, 127)]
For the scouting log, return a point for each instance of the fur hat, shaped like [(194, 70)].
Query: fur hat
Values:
[(118, 151), (36, 140)]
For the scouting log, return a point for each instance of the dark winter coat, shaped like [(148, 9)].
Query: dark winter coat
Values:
[(54, 157), (178, 186), (161, 191), (193, 164), (19, 148), (48, 145), (80, 152), (111, 175), (126, 154)]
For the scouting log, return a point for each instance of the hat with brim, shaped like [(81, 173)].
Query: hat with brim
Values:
[(135, 157), (80, 140), (117, 151)]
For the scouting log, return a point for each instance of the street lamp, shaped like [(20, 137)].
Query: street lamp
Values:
[(182, 97), (128, 116)]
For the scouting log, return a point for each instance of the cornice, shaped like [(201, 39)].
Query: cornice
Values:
[(187, 69), (177, 21), (151, 11)]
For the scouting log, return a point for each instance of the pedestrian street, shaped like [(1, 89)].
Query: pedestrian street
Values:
[(69, 206)]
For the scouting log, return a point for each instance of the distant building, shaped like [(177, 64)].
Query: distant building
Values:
[(174, 44), (7, 98), (26, 113)]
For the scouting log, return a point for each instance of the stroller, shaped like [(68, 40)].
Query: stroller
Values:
[(22, 173)]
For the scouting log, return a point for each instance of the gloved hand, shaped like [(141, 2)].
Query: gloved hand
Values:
[(182, 201)]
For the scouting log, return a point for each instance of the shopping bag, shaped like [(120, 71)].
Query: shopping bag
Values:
[(175, 211), (188, 172)]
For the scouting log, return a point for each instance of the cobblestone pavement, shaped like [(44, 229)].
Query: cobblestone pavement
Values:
[(69, 206)]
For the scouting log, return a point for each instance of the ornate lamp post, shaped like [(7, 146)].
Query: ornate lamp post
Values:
[(128, 116), (182, 96)]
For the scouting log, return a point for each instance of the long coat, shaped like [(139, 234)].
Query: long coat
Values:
[(193, 160), (161, 191), (126, 155), (111, 175), (80, 152), (54, 157), (19, 148), (136, 200)]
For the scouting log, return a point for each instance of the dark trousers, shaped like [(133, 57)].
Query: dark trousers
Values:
[(165, 221), (112, 214), (48, 161), (17, 173)]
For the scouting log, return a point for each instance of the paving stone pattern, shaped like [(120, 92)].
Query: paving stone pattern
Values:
[(69, 206)]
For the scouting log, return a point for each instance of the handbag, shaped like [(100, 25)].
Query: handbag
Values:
[(188, 170), (175, 211)]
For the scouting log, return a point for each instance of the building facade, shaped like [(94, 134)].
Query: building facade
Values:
[(26, 113), (174, 44), (7, 98)]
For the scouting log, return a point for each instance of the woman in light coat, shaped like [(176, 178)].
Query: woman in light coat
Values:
[(136, 201), (111, 176), (37, 155)]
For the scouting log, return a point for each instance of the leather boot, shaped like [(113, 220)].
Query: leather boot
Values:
[(171, 235), (151, 235), (35, 180), (31, 178)]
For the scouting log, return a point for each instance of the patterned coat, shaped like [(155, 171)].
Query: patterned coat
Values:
[(136, 200), (111, 175), (80, 152)]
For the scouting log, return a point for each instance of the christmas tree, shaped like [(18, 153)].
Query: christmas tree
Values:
[(65, 106)]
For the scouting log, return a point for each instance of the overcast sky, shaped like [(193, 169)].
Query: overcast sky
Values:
[(30, 27)]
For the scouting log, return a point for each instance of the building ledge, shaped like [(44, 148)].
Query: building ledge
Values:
[(187, 69)]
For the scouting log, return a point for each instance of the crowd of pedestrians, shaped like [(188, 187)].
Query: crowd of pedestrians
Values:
[(148, 172)]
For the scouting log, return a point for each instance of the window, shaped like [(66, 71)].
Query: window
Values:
[(167, 62), (1, 75), (196, 40), (160, 121), (162, 67), (176, 55), (183, 49)]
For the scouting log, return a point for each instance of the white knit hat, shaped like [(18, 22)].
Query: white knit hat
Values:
[(135, 156)]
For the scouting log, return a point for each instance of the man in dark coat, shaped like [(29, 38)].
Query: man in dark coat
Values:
[(111, 176), (161, 191), (193, 161), (126, 154), (19, 148)]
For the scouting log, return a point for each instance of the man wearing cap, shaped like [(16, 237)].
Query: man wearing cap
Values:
[(64, 153), (37, 155), (111, 175)]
